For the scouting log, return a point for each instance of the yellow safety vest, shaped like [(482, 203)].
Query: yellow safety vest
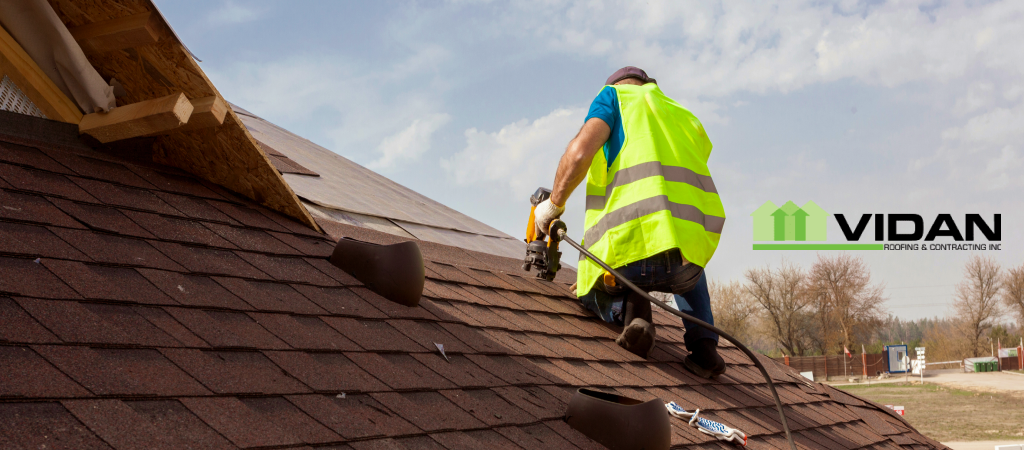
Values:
[(657, 194)]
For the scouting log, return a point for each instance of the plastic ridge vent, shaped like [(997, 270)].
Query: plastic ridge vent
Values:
[(395, 271), (618, 422)]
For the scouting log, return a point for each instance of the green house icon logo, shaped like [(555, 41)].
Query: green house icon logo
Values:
[(790, 222)]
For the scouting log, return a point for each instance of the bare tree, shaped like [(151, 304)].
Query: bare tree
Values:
[(1013, 292), (780, 293), (847, 306), (945, 341), (977, 300), (734, 309)]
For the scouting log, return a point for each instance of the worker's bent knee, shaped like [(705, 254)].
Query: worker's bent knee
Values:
[(608, 307)]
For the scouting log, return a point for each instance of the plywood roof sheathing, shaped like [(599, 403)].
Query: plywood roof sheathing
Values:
[(226, 155), (115, 34)]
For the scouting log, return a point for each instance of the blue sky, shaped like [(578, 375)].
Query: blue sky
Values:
[(862, 107)]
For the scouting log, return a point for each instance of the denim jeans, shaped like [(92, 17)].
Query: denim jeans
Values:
[(663, 272)]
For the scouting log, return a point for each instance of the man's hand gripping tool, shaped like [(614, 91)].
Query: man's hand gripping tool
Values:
[(542, 254)]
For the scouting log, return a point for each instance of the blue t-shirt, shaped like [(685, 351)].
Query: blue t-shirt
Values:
[(606, 108)]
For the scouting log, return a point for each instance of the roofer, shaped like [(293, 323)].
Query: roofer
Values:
[(652, 212)]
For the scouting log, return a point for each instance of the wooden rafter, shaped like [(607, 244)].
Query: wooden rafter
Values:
[(141, 119), (209, 112), (144, 118), (37, 86), (115, 34)]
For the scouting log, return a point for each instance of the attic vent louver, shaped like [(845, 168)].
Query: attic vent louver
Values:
[(620, 423), (393, 271), (14, 100)]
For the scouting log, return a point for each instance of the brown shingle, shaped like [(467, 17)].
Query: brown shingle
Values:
[(374, 335), (116, 250), (48, 183), (353, 416), (251, 239), (326, 372), (107, 418), (535, 436), (235, 372), (508, 369), (16, 325), (400, 372), (27, 375), (193, 290), (102, 218), (488, 407), (239, 423), (459, 370), (209, 261), (304, 332), (34, 209), (121, 371), (339, 301), (428, 334), (108, 283), (227, 329), (172, 420), (124, 196), (30, 157), (179, 230), (430, 411), (291, 269), (35, 241), (269, 296), (191, 207), (25, 277), (45, 425), (279, 411), (472, 440)]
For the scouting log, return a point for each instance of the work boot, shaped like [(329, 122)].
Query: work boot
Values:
[(638, 337), (704, 360)]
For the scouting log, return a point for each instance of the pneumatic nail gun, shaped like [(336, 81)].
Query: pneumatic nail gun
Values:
[(540, 254)]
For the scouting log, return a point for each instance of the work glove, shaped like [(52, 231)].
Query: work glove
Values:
[(544, 214)]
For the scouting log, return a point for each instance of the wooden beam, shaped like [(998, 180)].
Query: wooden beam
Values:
[(116, 34), (37, 86), (209, 112), (138, 119)]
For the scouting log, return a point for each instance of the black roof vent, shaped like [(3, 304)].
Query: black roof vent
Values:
[(393, 271), (620, 423)]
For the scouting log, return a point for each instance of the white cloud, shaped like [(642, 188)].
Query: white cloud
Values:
[(983, 154), (715, 49), (517, 158), (407, 145), (355, 106), (995, 127), (231, 13)]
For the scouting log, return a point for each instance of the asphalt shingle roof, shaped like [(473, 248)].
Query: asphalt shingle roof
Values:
[(142, 307)]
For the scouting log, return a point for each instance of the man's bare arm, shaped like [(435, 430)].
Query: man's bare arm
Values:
[(572, 168)]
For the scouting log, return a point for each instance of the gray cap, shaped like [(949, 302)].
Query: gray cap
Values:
[(629, 72)]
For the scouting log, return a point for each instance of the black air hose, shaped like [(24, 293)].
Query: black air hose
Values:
[(771, 386)]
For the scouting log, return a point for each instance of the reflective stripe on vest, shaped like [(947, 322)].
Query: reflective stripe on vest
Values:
[(657, 194), (650, 206), (652, 169)]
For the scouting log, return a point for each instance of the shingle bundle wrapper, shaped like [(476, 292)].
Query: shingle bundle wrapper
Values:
[(709, 427)]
